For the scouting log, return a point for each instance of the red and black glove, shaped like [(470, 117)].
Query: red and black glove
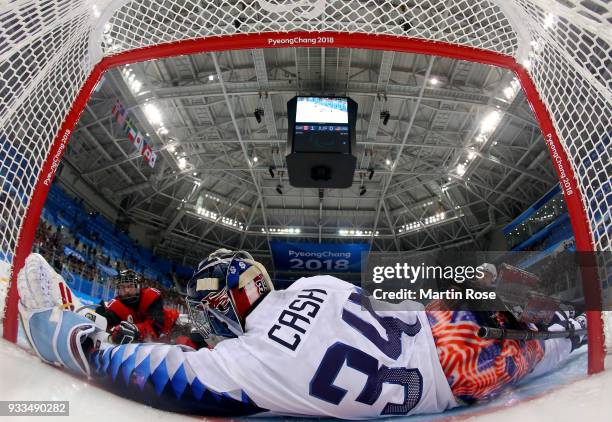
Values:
[(125, 332)]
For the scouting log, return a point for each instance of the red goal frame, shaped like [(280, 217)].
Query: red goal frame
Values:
[(573, 197)]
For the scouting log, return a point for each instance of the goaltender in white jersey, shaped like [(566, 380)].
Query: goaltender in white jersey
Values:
[(313, 350), (317, 348)]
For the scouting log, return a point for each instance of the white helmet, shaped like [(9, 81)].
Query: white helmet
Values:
[(489, 268)]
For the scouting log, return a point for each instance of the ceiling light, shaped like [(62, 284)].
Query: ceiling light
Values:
[(211, 77), (255, 159), (489, 123), (388, 162), (135, 86), (460, 169), (153, 114), (434, 81)]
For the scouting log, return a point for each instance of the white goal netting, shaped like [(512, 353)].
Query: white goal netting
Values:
[(48, 49)]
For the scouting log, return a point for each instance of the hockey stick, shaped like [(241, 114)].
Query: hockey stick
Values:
[(501, 333)]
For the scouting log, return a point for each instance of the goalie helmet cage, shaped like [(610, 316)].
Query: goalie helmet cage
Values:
[(53, 53)]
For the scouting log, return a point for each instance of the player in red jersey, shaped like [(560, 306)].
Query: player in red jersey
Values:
[(137, 313)]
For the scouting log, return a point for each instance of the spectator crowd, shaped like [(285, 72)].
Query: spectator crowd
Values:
[(77, 261)]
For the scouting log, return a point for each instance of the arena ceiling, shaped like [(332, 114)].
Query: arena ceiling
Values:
[(460, 152)]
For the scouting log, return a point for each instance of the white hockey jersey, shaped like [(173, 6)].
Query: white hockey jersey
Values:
[(313, 350)]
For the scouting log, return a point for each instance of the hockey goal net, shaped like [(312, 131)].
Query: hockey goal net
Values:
[(52, 54)]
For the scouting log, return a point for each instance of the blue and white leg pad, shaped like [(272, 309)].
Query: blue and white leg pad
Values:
[(57, 336)]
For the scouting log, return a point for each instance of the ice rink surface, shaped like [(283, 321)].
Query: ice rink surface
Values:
[(564, 395)]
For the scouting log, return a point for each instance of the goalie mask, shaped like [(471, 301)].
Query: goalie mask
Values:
[(127, 286), (224, 289)]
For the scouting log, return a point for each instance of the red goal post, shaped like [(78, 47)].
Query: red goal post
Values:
[(56, 52)]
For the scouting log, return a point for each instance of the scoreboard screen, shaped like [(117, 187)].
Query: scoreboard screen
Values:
[(322, 125), (322, 110), (321, 141)]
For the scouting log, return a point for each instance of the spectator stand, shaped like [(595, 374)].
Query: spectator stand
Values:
[(89, 251)]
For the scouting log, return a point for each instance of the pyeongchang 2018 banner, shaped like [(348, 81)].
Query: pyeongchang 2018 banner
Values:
[(315, 257)]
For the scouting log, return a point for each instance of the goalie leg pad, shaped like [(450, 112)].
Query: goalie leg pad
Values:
[(57, 337)]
